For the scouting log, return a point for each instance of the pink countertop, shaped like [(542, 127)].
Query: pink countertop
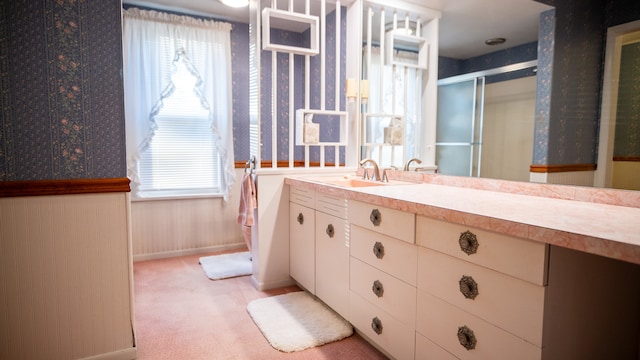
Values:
[(599, 228)]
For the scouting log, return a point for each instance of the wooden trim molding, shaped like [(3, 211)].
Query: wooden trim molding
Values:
[(63, 187), (626, 158), (561, 168)]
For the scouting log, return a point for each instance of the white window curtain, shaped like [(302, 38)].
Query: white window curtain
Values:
[(400, 95), (151, 41)]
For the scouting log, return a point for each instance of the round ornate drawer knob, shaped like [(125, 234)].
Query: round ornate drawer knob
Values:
[(375, 217), (377, 288), (330, 231), (468, 242), (468, 287), (467, 338), (378, 250), (376, 325), (300, 218)]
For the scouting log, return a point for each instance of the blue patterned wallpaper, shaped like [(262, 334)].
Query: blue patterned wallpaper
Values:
[(329, 130), (571, 48), (61, 93), (240, 90), (546, 33)]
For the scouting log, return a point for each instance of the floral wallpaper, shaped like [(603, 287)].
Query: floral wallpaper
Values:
[(571, 48), (546, 33), (62, 111), (329, 129), (240, 90)]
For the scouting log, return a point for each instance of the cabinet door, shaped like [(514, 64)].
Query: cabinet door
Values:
[(302, 246), (332, 262)]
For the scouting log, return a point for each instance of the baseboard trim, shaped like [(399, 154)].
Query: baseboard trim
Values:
[(271, 285), (124, 354), (561, 168), (185, 252)]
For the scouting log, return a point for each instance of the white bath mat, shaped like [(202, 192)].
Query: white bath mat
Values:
[(227, 265), (296, 321)]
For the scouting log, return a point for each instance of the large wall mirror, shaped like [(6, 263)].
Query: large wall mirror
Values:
[(484, 126), (396, 121)]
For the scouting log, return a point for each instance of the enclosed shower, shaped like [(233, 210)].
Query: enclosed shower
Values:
[(485, 123)]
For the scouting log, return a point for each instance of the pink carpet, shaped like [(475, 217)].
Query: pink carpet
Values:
[(181, 314)]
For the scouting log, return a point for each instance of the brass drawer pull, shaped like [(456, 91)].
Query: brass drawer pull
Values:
[(468, 242), (376, 325), (300, 218), (375, 217), (378, 250), (468, 287), (330, 231), (377, 288), (467, 338)]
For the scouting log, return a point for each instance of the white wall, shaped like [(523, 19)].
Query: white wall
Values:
[(166, 228), (65, 277), (507, 146)]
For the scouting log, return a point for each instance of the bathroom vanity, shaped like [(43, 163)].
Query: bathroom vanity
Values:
[(444, 271)]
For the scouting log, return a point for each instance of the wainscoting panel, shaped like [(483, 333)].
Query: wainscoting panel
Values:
[(166, 228), (65, 284), (577, 178), (625, 175)]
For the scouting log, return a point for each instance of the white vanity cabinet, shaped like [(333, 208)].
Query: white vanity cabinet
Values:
[(484, 295), (418, 287), (332, 252), (480, 294), (319, 246), (383, 277), (301, 237)]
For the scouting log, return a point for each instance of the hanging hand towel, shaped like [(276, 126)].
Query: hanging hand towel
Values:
[(248, 200)]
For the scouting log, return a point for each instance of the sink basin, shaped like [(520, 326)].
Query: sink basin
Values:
[(354, 181), (350, 182)]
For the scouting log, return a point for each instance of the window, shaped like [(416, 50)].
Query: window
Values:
[(182, 158), (178, 106)]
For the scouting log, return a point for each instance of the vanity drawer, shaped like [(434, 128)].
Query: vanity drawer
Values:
[(302, 196), (517, 257), (390, 255), (384, 291), (512, 304), (428, 350), (395, 223), (450, 327), (394, 337), (332, 205)]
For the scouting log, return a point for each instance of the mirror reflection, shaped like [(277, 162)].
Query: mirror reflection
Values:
[(504, 142)]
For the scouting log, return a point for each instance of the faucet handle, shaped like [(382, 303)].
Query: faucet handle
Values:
[(385, 178)]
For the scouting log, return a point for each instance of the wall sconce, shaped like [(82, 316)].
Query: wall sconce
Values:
[(352, 90)]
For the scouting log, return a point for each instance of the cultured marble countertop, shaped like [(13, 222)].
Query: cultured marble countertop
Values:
[(599, 228)]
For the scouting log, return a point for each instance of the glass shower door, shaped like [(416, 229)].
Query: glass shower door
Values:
[(459, 127)]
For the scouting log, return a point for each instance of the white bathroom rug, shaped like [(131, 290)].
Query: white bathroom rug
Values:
[(227, 265), (296, 321)]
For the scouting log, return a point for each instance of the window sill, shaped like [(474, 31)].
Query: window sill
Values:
[(174, 197)]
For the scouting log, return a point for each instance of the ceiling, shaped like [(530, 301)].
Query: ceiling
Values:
[(464, 25)]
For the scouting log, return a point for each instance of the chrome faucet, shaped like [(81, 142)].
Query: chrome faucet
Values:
[(406, 166), (376, 171)]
